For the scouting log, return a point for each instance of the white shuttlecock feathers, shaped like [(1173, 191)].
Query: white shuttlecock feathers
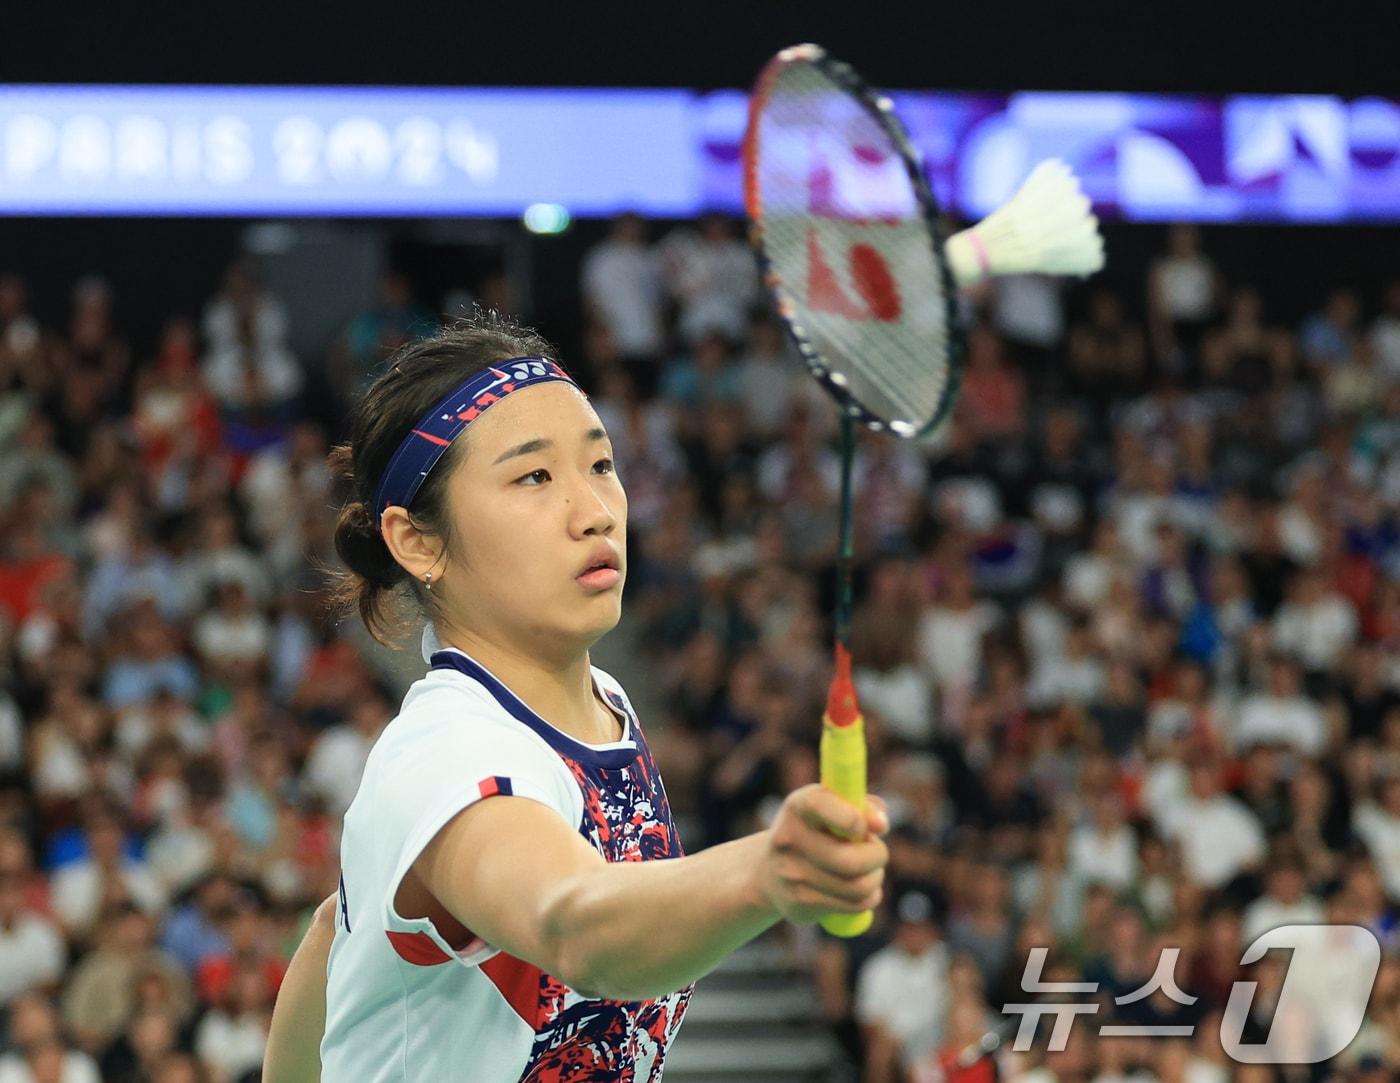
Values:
[(1047, 227)]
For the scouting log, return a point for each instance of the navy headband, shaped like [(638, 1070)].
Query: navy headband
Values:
[(429, 440)]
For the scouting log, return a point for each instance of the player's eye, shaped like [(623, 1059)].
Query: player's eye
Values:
[(603, 466), (534, 477)]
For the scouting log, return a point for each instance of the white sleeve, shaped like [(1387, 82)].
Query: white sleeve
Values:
[(53, 956), (442, 765)]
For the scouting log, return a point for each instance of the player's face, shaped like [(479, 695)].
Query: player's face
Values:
[(537, 505)]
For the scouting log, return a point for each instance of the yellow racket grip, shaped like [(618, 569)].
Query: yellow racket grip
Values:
[(843, 772)]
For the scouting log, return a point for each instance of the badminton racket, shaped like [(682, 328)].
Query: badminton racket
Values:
[(845, 226)]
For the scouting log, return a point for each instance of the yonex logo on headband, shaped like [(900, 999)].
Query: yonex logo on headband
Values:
[(433, 435)]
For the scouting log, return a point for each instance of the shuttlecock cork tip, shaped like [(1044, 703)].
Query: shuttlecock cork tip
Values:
[(841, 706)]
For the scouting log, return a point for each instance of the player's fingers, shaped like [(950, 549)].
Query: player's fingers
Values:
[(827, 811), (877, 814), (842, 858), (811, 886)]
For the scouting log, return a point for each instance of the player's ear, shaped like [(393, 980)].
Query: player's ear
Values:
[(418, 552)]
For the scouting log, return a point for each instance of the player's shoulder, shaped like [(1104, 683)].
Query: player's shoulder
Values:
[(443, 709)]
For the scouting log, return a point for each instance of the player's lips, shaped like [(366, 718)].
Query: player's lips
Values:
[(602, 569)]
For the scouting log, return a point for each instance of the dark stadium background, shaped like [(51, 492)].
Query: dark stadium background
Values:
[(1230, 47)]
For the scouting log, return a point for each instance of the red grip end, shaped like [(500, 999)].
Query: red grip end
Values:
[(841, 705)]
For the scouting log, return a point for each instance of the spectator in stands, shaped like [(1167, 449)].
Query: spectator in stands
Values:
[(1285, 901), (38, 1051), (1219, 837), (1108, 353), (32, 950), (1328, 338), (82, 889), (902, 992), (1376, 821), (1281, 713), (150, 1040), (248, 367), (337, 759), (623, 290), (713, 276), (1136, 579), (398, 318), (1184, 292), (101, 998), (1029, 312), (993, 394), (233, 1035)]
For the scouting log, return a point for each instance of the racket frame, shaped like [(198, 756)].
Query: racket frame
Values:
[(881, 109)]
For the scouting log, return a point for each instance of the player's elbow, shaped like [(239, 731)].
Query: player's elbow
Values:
[(582, 943), (569, 947)]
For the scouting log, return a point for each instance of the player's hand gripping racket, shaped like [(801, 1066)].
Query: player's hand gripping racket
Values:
[(845, 225)]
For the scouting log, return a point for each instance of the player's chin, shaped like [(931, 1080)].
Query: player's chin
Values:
[(597, 614)]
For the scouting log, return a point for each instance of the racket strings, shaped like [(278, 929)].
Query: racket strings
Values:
[(845, 237)]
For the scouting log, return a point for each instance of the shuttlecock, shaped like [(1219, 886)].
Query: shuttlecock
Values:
[(1046, 227)]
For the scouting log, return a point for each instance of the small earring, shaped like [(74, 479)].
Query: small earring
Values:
[(428, 579)]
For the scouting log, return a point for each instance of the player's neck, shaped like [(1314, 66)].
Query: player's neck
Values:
[(559, 689)]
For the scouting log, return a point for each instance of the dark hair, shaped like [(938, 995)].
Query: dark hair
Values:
[(415, 378)]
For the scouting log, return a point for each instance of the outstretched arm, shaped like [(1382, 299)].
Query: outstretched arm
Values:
[(515, 874), (299, 1016)]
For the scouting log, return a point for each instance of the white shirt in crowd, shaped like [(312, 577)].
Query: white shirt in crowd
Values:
[(276, 493), (78, 1067), (1292, 720), (1065, 680), (1266, 913), (1029, 309), (1044, 630), (232, 1044), (1380, 831), (907, 995), (335, 765), (1219, 838), (950, 642), (1318, 634), (232, 637), (1187, 285), (77, 891), (32, 953), (716, 283), (1299, 535), (623, 281), (1095, 857), (137, 725), (278, 374), (1087, 577), (903, 698)]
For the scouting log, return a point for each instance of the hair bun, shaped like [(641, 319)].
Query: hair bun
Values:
[(361, 546)]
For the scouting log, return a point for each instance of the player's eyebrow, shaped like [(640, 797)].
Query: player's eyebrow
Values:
[(540, 443)]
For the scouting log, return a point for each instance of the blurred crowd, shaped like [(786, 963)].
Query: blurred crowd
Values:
[(1126, 637)]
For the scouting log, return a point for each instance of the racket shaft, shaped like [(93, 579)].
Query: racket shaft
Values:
[(843, 772)]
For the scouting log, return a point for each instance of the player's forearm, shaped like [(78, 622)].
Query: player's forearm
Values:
[(633, 930), (299, 1016)]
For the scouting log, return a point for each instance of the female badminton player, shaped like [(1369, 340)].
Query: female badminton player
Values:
[(514, 902)]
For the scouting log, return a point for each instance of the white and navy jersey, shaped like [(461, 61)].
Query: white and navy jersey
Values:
[(401, 1002)]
